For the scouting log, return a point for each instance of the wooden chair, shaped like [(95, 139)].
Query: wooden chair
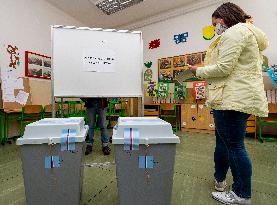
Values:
[(169, 111), (29, 114)]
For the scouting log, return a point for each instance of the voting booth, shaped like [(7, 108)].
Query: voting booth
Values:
[(145, 154)]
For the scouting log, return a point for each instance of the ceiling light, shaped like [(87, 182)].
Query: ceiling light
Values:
[(112, 6)]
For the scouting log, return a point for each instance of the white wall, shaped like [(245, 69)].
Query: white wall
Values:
[(264, 13), (26, 24)]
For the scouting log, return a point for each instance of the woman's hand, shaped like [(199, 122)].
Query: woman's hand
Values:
[(193, 69)]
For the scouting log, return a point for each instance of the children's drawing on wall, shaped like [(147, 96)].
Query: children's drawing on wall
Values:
[(166, 75), (165, 63), (208, 32), (37, 65), (194, 59), (199, 89), (181, 38), (180, 91), (155, 44), (179, 61), (151, 89), (14, 56), (99, 60), (148, 74), (163, 90)]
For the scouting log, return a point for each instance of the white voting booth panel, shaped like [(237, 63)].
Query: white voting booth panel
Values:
[(91, 62)]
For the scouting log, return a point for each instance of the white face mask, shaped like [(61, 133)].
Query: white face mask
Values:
[(219, 29)]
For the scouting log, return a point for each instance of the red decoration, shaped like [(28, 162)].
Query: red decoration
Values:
[(14, 56), (155, 44), (199, 90)]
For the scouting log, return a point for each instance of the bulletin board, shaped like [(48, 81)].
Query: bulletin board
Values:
[(91, 62), (16, 105)]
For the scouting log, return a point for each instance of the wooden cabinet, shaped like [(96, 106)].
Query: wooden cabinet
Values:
[(196, 116)]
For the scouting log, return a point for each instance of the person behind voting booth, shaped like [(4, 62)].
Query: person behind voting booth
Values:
[(97, 106), (235, 90)]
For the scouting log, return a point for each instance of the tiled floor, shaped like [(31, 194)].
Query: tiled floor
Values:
[(193, 179)]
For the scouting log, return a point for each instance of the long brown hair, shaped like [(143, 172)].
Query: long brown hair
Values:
[(231, 13)]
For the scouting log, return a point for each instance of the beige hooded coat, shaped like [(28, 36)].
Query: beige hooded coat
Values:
[(233, 71)]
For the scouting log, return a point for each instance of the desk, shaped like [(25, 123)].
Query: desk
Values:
[(9, 115)]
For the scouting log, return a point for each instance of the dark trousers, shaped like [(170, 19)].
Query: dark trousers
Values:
[(230, 150)]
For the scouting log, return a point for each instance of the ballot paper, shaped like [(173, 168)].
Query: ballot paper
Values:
[(184, 75)]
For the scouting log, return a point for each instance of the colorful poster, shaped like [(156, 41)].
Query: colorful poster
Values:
[(199, 89), (163, 90), (151, 89)]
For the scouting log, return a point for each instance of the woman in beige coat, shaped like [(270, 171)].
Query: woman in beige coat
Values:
[(235, 89)]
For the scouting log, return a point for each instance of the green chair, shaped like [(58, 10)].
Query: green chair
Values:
[(29, 114), (169, 111), (47, 111), (261, 122)]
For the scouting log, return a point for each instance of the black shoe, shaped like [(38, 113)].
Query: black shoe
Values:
[(111, 140), (106, 150), (88, 149)]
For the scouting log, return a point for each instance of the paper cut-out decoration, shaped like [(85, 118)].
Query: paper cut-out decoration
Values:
[(193, 118), (165, 63), (155, 44), (163, 90), (199, 89), (68, 140), (194, 59), (151, 89), (148, 64), (272, 72), (148, 75), (99, 60), (180, 91), (181, 38), (211, 126), (14, 56), (166, 75), (22, 97), (179, 61), (208, 32), (37, 65), (131, 139), (146, 162), (51, 162)]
